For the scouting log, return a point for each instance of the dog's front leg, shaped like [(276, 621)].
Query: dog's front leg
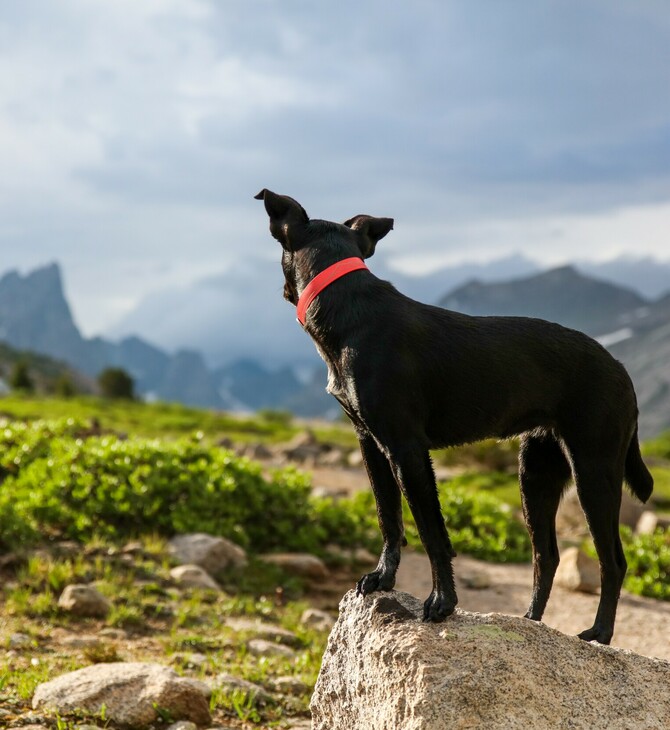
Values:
[(414, 473), (389, 512)]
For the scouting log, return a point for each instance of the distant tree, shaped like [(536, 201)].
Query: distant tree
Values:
[(64, 387), (116, 383), (20, 377)]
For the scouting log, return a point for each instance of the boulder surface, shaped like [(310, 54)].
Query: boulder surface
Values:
[(384, 668), (132, 693)]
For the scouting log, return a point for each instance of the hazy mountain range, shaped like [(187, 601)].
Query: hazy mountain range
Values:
[(230, 341)]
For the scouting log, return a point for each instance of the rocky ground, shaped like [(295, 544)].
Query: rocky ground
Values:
[(255, 661)]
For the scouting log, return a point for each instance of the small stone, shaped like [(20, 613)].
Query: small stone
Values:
[(84, 600), (332, 458), (322, 492), (188, 659), (67, 547), (182, 725), (578, 572), (86, 727), (650, 521), (81, 642), (316, 619), (134, 547), (230, 683), (111, 633), (20, 641), (213, 554), (355, 459), (261, 647), (264, 630), (5, 713), (301, 564), (258, 451), (631, 510), (193, 576), (303, 447), (289, 685), (476, 579)]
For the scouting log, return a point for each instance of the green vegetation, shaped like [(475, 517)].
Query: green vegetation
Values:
[(20, 377), (164, 420), (116, 383), (74, 488), (162, 623), (63, 482), (59, 484), (648, 559)]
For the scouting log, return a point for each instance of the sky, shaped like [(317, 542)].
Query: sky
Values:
[(133, 135)]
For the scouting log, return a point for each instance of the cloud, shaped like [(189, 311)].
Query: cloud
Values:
[(138, 132)]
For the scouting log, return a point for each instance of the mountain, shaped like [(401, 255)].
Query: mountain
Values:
[(560, 295), (35, 315), (647, 276)]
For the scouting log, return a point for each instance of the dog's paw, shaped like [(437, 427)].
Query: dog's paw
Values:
[(375, 581), (597, 633), (438, 606)]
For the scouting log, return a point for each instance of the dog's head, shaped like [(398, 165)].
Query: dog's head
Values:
[(310, 245)]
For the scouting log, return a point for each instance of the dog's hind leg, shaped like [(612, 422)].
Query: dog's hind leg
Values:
[(543, 474), (389, 512), (599, 488)]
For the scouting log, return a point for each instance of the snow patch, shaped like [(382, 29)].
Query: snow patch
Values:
[(614, 337)]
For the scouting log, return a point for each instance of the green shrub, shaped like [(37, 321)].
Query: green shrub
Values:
[(22, 443), (113, 488), (648, 559), (479, 524)]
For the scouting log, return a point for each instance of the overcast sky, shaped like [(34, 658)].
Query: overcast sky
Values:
[(134, 133)]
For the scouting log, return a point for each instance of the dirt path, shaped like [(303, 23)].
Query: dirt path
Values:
[(643, 624)]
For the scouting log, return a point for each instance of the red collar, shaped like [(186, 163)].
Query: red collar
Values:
[(324, 279)]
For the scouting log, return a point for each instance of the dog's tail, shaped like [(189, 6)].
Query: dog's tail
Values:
[(638, 477)]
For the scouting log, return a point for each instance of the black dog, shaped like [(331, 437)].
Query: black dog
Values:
[(412, 377)]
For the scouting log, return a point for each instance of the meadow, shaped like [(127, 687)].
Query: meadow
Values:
[(91, 490)]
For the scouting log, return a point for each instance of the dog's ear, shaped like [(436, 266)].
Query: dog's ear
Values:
[(370, 230), (287, 217)]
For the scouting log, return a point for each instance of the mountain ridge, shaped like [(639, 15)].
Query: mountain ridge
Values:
[(35, 315)]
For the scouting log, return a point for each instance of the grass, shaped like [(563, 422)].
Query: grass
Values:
[(188, 621), (168, 420)]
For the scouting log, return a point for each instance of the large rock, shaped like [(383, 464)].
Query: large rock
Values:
[(385, 668), (213, 554), (578, 572), (132, 693)]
